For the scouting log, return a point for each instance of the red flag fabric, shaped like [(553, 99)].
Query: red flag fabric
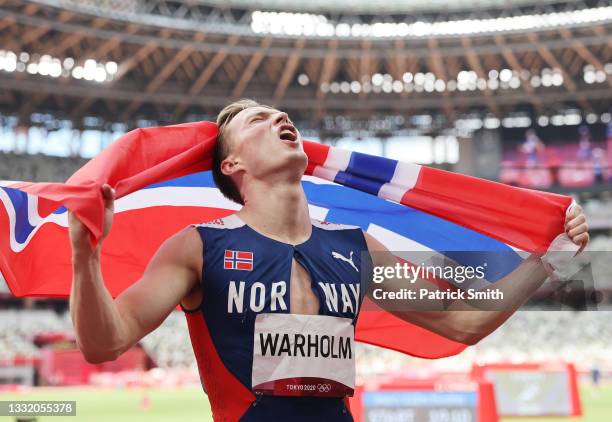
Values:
[(163, 183)]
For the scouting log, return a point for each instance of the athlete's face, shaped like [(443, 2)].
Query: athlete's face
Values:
[(262, 142)]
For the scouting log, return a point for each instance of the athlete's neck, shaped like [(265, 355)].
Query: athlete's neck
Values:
[(278, 210)]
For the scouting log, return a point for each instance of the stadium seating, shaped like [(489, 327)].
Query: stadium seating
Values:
[(558, 164), (19, 327), (169, 345), (584, 338), (37, 168)]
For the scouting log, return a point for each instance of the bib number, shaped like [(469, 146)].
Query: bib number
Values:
[(303, 355)]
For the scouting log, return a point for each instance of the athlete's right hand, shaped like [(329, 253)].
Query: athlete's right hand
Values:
[(79, 234)]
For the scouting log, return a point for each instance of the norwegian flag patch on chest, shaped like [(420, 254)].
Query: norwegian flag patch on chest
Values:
[(238, 260)]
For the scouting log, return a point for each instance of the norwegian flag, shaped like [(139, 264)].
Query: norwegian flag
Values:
[(238, 260), (163, 181)]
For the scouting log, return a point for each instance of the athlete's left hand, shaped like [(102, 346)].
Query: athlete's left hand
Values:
[(576, 226)]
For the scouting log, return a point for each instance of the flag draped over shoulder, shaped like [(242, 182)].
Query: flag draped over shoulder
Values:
[(163, 183)]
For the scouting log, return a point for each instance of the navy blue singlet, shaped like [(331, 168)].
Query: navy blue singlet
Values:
[(246, 273)]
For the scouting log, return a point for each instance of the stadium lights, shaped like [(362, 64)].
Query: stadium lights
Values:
[(567, 118), (591, 118), (469, 124), (543, 121), (491, 122), (557, 120), (306, 24), (591, 75), (466, 80), (516, 121), (505, 75), (572, 119), (303, 79), (46, 65)]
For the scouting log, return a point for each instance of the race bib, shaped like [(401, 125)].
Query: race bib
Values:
[(303, 355)]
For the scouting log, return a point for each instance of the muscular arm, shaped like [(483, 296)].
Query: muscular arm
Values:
[(107, 327), (469, 322), (466, 322)]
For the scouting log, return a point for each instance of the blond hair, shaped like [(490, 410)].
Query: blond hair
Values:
[(225, 183)]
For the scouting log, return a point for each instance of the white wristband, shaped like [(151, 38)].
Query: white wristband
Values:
[(559, 260)]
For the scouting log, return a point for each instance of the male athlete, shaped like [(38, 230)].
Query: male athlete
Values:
[(271, 296)]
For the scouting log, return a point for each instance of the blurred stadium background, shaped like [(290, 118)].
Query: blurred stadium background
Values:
[(517, 91)]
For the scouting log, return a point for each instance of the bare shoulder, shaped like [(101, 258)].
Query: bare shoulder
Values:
[(184, 248), (188, 236)]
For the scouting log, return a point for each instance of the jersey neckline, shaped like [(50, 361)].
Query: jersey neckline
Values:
[(276, 240)]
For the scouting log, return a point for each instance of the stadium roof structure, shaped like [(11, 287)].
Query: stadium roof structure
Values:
[(95, 63)]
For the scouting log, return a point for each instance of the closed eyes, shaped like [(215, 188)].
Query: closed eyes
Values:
[(260, 117)]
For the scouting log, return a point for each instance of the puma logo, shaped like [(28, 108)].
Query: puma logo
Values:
[(341, 257)]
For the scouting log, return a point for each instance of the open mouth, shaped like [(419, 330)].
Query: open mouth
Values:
[(288, 133)]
